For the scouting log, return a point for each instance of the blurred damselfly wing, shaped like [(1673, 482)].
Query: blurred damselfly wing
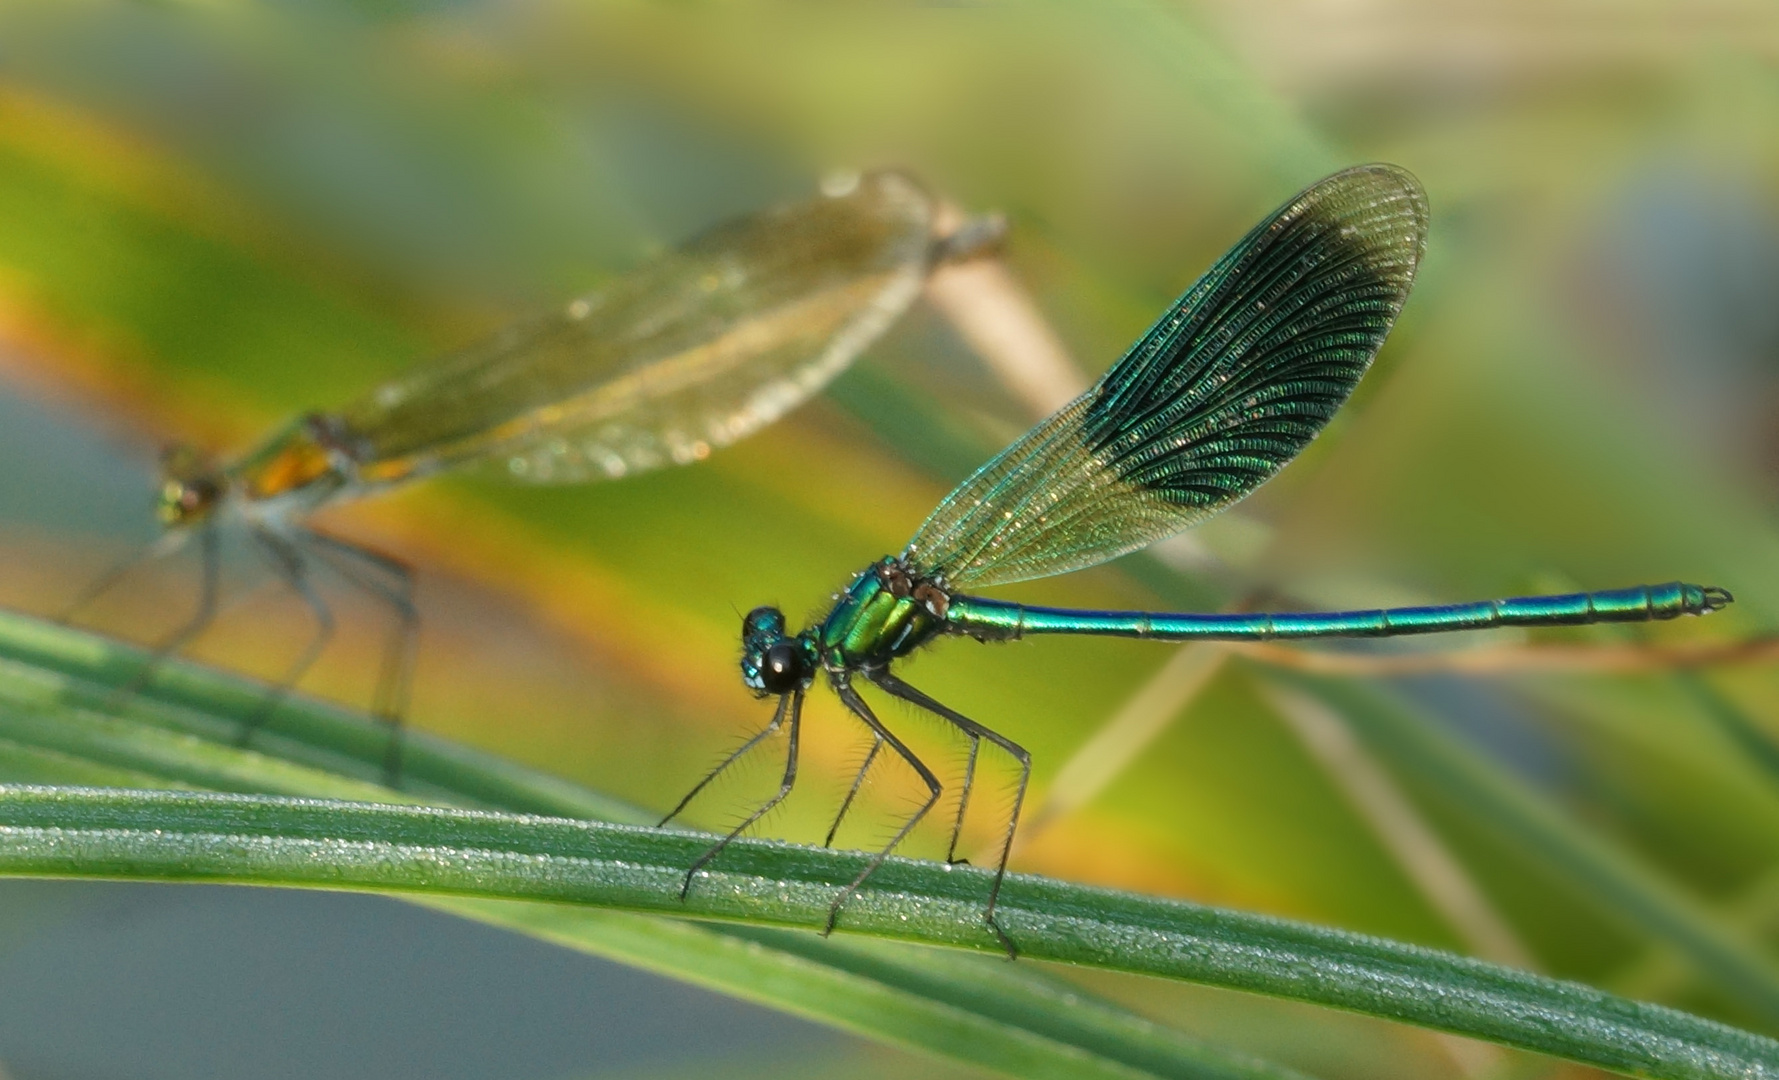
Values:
[(694, 349)]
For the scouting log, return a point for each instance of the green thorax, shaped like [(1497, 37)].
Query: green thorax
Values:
[(299, 467), (886, 612)]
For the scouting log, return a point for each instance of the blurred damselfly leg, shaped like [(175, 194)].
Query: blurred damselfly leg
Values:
[(287, 562), (890, 684), (851, 699), (858, 782), (793, 703), (209, 589), (159, 548), (359, 566)]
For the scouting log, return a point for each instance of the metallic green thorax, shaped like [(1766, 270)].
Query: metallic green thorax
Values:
[(885, 613)]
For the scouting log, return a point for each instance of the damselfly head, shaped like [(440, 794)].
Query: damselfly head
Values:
[(961, 239), (771, 661), (191, 486)]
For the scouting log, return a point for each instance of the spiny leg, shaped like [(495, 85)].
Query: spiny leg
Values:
[(888, 682), (287, 562), (395, 677), (853, 701), (795, 702), (158, 548), (963, 796), (858, 782), (209, 588), (737, 754)]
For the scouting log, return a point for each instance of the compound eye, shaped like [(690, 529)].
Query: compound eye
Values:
[(782, 668), (768, 619)]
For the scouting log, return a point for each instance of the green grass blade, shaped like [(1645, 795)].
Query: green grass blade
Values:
[(1629, 890), (59, 670), (180, 731), (1013, 1019), (177, 836), (54, 667)]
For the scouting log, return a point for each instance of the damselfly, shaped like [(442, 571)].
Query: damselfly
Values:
[(690, 352), (1232, 383)]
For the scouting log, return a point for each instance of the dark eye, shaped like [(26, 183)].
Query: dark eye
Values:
[(763, 620), (782, 668)]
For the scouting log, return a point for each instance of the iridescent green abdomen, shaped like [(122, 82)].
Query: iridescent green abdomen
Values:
[(991, 620)]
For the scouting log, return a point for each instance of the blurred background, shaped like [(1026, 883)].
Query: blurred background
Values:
[(216, 215)]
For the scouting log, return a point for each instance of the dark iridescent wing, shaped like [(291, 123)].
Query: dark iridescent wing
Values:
[(693, 350), (1237, 377)]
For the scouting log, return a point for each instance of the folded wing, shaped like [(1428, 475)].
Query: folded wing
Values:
[(1231, 384), (691, 351)]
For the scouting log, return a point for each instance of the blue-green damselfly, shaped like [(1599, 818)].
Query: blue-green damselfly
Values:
[(1233, 381)]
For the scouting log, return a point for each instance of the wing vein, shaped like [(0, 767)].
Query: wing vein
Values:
[(1230, 384)]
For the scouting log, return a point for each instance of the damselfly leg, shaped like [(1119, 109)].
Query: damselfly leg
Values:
[(851, 699), (886, 681), (391, 581), (160, 547), (858, 783), (791, 703), (287, 563), (778, 717), (209, 591)]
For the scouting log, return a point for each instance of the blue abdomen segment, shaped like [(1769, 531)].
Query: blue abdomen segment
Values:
[(997, 619)]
